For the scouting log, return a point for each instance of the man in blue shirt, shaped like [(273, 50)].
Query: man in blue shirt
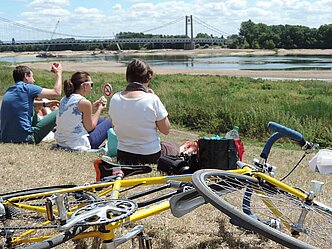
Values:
[(18, 122)]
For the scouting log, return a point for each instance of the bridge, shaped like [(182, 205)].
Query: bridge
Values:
[(187, 39)]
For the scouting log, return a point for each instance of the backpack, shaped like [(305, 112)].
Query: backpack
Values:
[(178, 165)]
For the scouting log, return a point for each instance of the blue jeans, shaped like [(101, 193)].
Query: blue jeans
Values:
[(98, 135)]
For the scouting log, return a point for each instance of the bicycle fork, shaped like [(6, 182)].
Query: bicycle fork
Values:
[(296, 228), (316, 188)]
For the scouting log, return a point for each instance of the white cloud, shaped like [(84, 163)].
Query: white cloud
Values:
[(48, 3), (117, 7), (56, 12), (87, 12), (143, 6), (236, 4), (264, 4)]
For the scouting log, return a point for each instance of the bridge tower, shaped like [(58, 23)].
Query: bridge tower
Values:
[(189, 22)]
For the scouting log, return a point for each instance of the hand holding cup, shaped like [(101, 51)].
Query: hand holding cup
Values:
[(56, 67)]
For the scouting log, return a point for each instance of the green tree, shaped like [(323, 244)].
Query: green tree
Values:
[(269, 44), (325, 32), (234, 41), (248, 30), (203, 35)]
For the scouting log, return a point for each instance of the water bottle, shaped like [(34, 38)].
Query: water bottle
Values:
[(233, 133)]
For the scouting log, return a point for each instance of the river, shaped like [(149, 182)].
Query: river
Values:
[(289, 63)]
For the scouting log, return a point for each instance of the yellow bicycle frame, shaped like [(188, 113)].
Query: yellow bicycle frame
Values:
[(112, 188)]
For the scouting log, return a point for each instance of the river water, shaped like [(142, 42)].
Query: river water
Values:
[(212, 62)]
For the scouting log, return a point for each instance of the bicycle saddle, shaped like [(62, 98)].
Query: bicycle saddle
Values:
[(104, 167)]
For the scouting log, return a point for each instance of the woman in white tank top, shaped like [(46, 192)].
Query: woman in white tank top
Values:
[(79, 125)]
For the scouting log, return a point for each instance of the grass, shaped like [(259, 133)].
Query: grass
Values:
[(208, 104), (26, 166), (204, 105)]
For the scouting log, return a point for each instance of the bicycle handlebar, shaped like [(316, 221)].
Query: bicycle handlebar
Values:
[(287, 132), (283, 131)]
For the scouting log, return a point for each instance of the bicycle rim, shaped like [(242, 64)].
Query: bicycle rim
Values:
[(31, 229), (245, 200)]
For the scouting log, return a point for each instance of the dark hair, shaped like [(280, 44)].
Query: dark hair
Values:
[(138, 71), (70, 86), (19, 72)]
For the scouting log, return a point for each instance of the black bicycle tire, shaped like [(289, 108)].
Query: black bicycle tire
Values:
[(244, 219), (60, 238), (34, 191)]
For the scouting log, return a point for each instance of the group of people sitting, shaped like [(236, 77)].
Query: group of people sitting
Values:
[(136, 114)]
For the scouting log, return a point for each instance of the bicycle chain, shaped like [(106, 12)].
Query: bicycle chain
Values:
[(3, 230)]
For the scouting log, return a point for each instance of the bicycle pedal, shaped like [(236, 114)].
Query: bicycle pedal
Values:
[(49, 209)]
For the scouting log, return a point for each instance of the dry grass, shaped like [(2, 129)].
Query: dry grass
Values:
[(26, 166)]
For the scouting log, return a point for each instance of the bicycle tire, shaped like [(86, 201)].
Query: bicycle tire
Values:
[(34, 191), (222, 189), (21, 218), (58, 239)]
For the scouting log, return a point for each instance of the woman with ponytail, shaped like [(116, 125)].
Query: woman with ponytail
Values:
[(77, 127)]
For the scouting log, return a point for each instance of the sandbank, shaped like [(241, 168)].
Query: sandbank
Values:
[(114, 67)]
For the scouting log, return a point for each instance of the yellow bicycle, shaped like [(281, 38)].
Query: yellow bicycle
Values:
[(251, 196)]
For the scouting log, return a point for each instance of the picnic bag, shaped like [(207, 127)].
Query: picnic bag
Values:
[(219, 153)]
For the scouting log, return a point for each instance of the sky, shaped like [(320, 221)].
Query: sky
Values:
[(105, 18)]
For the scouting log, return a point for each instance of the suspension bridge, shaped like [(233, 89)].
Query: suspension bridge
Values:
[(31, 35)]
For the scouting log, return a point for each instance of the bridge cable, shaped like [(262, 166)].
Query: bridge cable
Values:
[(49, 32), (210, 27), (164, 25)]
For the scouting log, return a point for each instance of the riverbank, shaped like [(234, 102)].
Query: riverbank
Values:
[(173, 52), (115, 67)]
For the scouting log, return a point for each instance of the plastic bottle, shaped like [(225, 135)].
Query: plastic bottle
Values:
[(233, 133)]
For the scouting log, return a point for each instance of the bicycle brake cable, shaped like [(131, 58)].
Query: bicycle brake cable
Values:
[(298, 163)]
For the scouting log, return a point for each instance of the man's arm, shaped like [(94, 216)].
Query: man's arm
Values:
[(56, 91), (46, 103)]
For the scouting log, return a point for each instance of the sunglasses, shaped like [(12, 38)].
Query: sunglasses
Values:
[(89, 82)]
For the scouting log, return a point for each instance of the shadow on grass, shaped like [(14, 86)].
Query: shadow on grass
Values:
[(232, 240)]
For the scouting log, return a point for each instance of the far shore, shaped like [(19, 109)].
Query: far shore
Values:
[(114, 67), (194, 52)]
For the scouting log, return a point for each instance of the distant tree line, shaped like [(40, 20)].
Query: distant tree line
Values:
[(264, 36)]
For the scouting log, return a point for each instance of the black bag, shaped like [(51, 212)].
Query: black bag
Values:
[(217, 154), (178, 165)]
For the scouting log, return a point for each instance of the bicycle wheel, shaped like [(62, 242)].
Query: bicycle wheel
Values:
[(21, 226), (265, 209), (34, 191)]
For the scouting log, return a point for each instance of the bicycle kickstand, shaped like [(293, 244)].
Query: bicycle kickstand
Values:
[(144, 242)]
